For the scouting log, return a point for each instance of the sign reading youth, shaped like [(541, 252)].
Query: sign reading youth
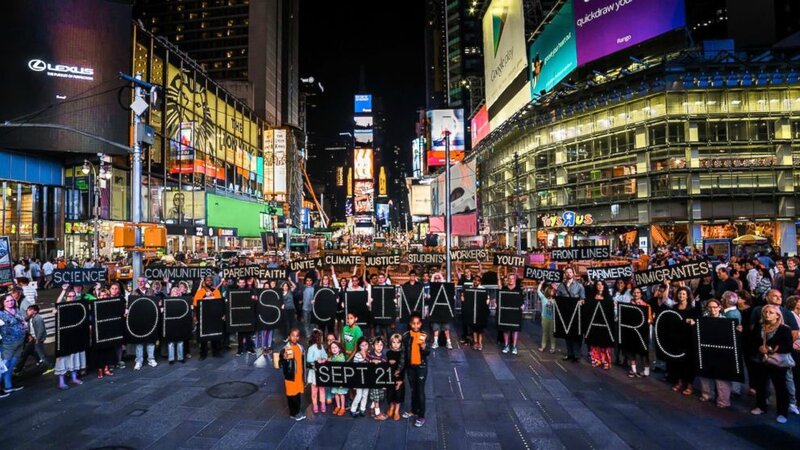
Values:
[(509, 260), (567, 254), (607, 26), (676, 272)]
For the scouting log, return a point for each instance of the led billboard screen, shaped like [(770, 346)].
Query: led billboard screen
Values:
[(479, 126), (362, 164), (443, 121), (363, 122), (607, 26), (61, 61), (364, 138), (553, 54), (363, 104)]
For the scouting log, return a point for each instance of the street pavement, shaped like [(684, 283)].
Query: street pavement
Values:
[(476, 400)]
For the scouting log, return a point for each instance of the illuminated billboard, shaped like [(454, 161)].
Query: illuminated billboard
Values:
[(442, 122), (553, 54), (437, 158), (363, 122), (479, 126), (382, 215), (61, 64), (363, 104), (362, 164), (607, 26), (364, 204), (363, 138), (363, 188)]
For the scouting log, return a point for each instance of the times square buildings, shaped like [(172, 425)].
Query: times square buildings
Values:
[(662, 143)]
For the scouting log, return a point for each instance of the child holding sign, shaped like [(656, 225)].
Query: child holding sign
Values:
[(336, 355), (375, 356), (359, 407), (396, 360), (316, 354)]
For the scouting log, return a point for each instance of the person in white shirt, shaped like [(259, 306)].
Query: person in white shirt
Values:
[(89, 264), (29, 291), (19, 270), (47, 269)]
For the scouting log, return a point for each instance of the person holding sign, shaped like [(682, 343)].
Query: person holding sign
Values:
[(772, 343), (292, 365), (439, 326), (512, 286), (396, 359), (316, 354), (175, 349), (12, 331), (74, 362), (547, 300), (207, 291), (635, 358), (359, 406), (244, 339), (337, 355), (571, 288), (601, 356), (723, 387), (415, 347)]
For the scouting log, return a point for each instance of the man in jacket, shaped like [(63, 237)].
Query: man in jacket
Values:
[(416, 348), (34, 344)]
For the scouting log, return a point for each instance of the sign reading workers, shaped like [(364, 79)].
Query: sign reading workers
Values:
[(566, 254), (80, 276), (469, 254), (603, 273), (509, 260), (677, 272)]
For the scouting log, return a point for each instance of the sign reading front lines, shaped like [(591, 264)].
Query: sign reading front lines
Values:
[(62, 70)]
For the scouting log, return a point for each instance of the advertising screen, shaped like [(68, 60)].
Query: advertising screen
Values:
[(363, 122), (443, 121), (363, 104), (607, 26), (363, 204), (437, 158), (553, 54), (61, 61), (362, 164), (479, 126), (363, 187), (382, 212), (462, 189), (363, 138)]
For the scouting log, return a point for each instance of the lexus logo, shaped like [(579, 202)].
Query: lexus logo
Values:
[(37, 65)]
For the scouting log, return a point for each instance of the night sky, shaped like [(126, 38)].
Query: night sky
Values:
[(387, 39)]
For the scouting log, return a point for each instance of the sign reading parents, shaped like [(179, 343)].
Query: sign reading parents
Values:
[(566, 254), (382, 260), (254, 271), (540, 274), (509, 260), (80, 276), (603, 273), (178, 273), (354, 375), (675, 272)]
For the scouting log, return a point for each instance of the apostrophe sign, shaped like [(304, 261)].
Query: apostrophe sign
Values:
[(567, 219)]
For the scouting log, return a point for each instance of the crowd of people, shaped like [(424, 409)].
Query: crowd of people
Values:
[(760, 293)]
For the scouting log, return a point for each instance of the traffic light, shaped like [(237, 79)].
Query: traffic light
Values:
[(155, 236), (125, 236)]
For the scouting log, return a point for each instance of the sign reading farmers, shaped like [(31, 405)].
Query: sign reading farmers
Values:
[(546, 275), (354, 375), (411, 299), (305, 264), (384, 309), (509, 310), (598, 322), (80, 276), (240, 314), (210, 323), (72, 328), (475, 307), (633, 329), (566, 254), (382, 260), (109, 322), (602, 273), (177, 319), (269, 309), (442, 297), (356, 302), (141, 323), (343, 260), (426, 258), (717, 345), (469, 254), (509, 260), (568, 318), (676, 272), (323, 308), (178, 273)]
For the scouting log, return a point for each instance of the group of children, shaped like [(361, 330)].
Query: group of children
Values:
[(356, 348)]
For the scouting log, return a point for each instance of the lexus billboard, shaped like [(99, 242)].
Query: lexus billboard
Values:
[(61, 61)]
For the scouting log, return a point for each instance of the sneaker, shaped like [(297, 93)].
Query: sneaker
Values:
[(632, 374), (353, 414), (419, 422), (48, 371), (449, 345), (793, 409), (138, 366), (251, 352), (646, 371), (121, 365), (407, 414), (781, 419), (505, 349), (435, 344), (514, 350), (300, 417), (152, 363), (6, 394), (14, 389), (756, 411)]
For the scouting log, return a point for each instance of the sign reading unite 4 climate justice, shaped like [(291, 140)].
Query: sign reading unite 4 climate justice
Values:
[(607, 26)]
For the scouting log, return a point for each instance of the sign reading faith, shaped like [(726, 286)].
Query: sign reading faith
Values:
[(178, 273), (382, 260), (509, 260), (80, 276), (546, 275), (354, 375), (603, 273), (565, 254), (676, 272), (426, 258)]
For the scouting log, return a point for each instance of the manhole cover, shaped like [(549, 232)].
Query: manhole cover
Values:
[(232, 389)]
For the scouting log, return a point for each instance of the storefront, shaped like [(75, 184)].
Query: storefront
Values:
[(241, 222), (581, 228)]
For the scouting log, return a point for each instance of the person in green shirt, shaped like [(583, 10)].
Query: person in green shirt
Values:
[(350, 334)]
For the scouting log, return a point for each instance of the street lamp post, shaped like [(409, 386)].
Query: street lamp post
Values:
[(447, 209), (94, 201)]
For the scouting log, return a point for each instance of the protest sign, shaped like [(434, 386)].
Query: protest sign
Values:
[(141, 323), (411, 299), (541, 274), (109, 322), (426, 258), (354, 375), (672, 336), (324, 305), (72, 327), (566, 254), (240, 314), (675, 272), (603, 273), (384, 308), (509, 260), (80, 276), (343, 260), (269, 309), (509, 310), (211, 325), (177, 273), (441, 302), (469, 254), (355, 302), (475, 307), (382, 260), (305, 264), (177, 319), (598, 321), (633, 329), (717, 347), (568, 318)]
